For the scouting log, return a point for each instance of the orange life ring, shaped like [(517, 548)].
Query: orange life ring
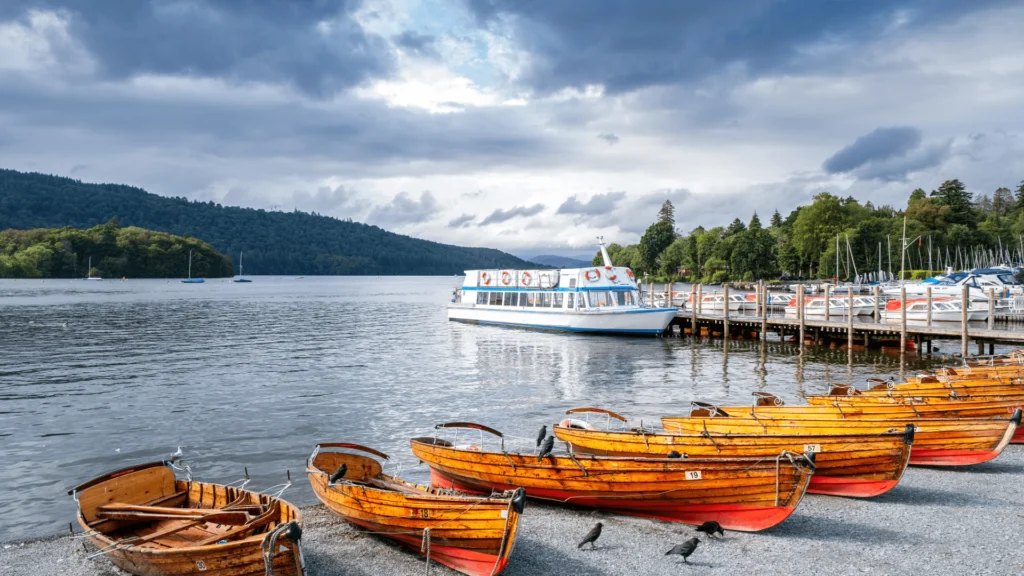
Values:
[(485, 278), (525, 278), (629, 273), (578, 424), (506, 277), (596, 275)]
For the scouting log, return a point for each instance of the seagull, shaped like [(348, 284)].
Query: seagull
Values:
[(339, 474), (546, 448), (591, 536), (710, 527), (684, 549), (178, 454), (542, 434)]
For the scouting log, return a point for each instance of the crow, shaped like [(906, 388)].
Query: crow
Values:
[(591, 536), (710, 527), (674, 454), (684, 549), (542, 434), (339, 474), (546, 448)]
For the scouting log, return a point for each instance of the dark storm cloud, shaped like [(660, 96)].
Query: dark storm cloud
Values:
[(625, 45), (879, 144), (597, 205), (609, 138), (499, 215), (462, 221), (315, 45), (403, 209), (422, 44)]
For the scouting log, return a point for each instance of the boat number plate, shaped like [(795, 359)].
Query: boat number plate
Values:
[(504, 513), (917, 428), (693, 474), (201, 565), (812, 448)]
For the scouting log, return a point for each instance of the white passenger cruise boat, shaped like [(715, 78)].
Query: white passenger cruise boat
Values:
[(603, 299)]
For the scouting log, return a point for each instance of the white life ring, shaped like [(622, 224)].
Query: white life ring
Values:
[(596, 275), (525, 278), (578, 424)]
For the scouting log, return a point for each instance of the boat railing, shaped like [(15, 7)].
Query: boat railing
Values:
[(586, 414), (459, 435)]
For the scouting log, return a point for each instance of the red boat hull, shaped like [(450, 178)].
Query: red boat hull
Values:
[(852, 487), (458, 559), (736, 517), (920, 457), (1018, 436)]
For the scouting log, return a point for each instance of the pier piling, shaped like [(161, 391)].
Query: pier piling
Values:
[(903, 320), (849, 318)]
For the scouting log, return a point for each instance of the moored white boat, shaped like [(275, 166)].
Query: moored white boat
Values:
[(601, 299), (715, 302), (815, 306), (943, 310)]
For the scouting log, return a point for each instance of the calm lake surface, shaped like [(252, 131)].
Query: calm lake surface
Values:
[(254, 375)]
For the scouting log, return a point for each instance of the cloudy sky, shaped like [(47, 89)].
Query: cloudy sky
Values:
[(527, 125)]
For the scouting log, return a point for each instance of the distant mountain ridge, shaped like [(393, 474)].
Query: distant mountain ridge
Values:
[(284, 243), (559, 261)]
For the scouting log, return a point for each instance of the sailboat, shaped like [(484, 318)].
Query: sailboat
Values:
[(191, 280), (240, 278), (88, 273)]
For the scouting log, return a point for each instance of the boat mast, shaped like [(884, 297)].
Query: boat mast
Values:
[(888, 252), (240, 264), (604, 252), (903, 251), (189, 264), (837, 258)]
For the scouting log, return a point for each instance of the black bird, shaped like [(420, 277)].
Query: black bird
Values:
[(591, 536), (674, 454), (338, 474), (684, 549), (542, 434), (546, 448), (710, 527)]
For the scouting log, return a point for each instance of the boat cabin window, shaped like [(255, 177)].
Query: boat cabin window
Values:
[(600, 299), (581, 300), (495, 299), (523, 299), (511, 298), (545, 300), (570, 300), (629, 298), (620, 298), (481, 297), (558, 299), (572, 282)]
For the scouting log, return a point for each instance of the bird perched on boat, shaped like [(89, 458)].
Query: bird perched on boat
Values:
[(591, 536), (542, 434), (710, 528), (546, 448), (684, 549), (674, 454), (338, 474)]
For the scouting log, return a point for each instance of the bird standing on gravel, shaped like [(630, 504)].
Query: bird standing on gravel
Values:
[(591, 536), (684, 549), (546, 448), (710, 527), (542, 434)]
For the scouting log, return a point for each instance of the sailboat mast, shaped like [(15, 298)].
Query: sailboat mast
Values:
[(837, 258), (189, 264), (903, 251)]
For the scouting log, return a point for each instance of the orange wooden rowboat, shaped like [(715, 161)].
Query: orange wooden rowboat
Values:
[(746, 494), (937, 441), (975, 389), (846, 464), (149, 523), (471, 534)]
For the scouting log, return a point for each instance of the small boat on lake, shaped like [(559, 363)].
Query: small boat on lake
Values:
[(471, 534), (190, 279), (603, 299), (846, 463), (241, 278), (149, 523), (745, 494), (88, 274), (715, 302), (815, 306)]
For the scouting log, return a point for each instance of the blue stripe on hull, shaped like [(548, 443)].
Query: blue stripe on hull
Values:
[(653, 331)]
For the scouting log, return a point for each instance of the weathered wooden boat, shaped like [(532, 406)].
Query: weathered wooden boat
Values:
[(746, 494), (846, 464), (147, 522), (999, 372), (471, 534), (977, 389), (937, 441)]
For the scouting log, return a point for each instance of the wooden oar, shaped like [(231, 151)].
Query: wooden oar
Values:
[(222, 517), (174, 528), (177, 511)]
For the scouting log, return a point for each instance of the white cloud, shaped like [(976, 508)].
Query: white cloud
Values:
[(42, 42)]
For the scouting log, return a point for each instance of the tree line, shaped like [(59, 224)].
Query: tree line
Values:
[(948, 226), (114, 251)]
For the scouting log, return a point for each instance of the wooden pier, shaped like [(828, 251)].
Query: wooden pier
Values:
[(850, 332)]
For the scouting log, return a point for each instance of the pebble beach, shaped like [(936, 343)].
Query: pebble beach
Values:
[(936, 521)]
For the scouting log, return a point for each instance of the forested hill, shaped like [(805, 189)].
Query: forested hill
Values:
[(113, 251), (274, 242)]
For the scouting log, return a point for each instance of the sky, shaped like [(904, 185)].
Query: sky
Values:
[(533, 126)]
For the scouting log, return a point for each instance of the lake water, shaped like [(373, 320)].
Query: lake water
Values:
[(254, 375)]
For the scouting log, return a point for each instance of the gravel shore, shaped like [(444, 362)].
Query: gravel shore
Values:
[(937, 521)]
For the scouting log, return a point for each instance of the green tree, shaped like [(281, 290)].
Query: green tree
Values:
[(667, 213), (776, 221), (954, 194), (655, 240)]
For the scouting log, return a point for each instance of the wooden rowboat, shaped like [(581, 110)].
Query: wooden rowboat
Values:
[(937, 441), (471, 534), (746, 494), (846, 463), (976, 389), (149, 523)]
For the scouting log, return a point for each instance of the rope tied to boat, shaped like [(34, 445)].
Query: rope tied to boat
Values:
[(290, 530), (425, 547)]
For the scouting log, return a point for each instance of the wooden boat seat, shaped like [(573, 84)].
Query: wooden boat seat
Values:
[(360, 468), (766, 399), (135, 486), (843, 390), (274, 513), (706, 410)]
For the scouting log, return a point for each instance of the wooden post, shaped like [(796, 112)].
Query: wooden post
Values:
[(725, 311), (878, 298), (693, 310), (903, 319), (764, 311), (929, 292), (828, 293), (668, 294), (800, 312), (964, 303), (700, 298), (849, 318), (991, 308)]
